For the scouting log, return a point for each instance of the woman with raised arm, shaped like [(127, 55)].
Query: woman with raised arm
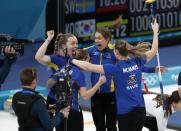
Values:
[(66, 46), (127, 78)]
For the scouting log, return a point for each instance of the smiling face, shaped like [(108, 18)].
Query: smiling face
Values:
[(68, 44), (100, 41), (71, 45)]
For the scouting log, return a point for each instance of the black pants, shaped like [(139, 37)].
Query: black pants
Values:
[(151, 123), (132, 121), (104, 111), (74, 122)]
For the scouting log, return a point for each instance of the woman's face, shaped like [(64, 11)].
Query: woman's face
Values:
[(71, 45), (100, 41)]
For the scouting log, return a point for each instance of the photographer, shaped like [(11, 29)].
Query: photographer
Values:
[(6, 63), (67, 45), (30, 107)]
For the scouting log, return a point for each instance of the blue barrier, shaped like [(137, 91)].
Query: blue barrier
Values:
[(4, 95), (169, 78)]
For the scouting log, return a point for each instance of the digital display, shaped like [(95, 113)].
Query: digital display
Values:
[(84, 16), (168, 15), (110, 10)]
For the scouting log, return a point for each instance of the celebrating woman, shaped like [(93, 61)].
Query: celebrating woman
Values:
[(127, 78)]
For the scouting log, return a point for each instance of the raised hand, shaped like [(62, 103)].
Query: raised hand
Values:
[(155, 26), (50, 34), (163, 69)]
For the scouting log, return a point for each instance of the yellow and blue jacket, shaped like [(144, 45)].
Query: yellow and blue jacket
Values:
[(105, 56)]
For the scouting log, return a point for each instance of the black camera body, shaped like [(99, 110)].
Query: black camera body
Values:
[(63, 92), (18, 47), (17, 44), (64, 89)]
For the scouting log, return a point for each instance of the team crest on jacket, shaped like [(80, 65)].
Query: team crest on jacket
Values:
[(108, 56), (96, 53)]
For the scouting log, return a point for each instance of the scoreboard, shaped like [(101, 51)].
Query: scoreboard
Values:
[(168, 15), (82, 17)]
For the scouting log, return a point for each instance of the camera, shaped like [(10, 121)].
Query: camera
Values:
[(63, 92), (18, 47), (17, 44), (64, 88)]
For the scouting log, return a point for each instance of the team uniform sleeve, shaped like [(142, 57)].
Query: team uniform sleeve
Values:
[(109, 69), (53, 76), (148, 69), (141, 61), (81, 79), (52, 57), (58, 60)]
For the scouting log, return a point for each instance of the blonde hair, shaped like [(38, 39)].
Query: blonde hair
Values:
[(126, 49)]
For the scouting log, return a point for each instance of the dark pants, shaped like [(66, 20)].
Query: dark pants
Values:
[(73, 123), (132, 121), (104, 111), (151, 123)]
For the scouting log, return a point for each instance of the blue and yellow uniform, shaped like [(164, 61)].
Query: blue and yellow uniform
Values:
[(103, 102), (127, 76), (75, 119), (148, 69), (102, 57)]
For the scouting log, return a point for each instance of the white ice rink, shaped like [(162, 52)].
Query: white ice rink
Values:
[(8, 121)]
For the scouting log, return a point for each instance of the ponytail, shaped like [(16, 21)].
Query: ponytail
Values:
[(174, 98), (126, 49), (139, 49), (56, 43), (168, 104)]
